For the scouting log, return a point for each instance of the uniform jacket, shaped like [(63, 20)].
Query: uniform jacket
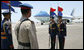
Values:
[(53, 29), (6, 29), (63, 28), (27, 33)]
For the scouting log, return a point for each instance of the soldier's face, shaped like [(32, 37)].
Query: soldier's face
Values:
[(29, 14), (52, 20), (60, 20), (7, 16)]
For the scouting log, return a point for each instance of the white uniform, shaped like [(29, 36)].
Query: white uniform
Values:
[(27, 34)]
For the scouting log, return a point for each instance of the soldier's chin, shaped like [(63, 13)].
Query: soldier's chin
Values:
[(29, 16), (9, 17)]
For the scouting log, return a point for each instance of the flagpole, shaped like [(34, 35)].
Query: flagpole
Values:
[(10, 10), (10, 22), (10, 14)]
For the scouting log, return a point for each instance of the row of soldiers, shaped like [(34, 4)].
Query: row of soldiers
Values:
[(26, 32), (57, 29)]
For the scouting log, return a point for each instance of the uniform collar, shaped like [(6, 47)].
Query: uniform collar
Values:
[(6, 19), (60, 23), (23, 18)]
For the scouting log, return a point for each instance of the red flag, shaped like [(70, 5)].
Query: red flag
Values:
[(52, 10), (60, 9), (6, 1)]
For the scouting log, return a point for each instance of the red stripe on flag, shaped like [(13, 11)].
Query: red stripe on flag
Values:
[(60, 9), (6, 1), (52, 10)]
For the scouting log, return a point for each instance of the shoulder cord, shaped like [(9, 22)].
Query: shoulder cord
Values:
[(19, 28)]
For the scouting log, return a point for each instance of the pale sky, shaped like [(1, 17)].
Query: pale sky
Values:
[(38, 6)]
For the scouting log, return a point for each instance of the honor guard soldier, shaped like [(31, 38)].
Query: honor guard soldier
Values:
[(62, 32), (6, 35), (53, 31), (25, 29)]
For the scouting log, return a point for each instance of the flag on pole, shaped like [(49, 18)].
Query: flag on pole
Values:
[(60, 11), (6, 6), (13, 3), (52, 10), (52, 13), (6, 1)]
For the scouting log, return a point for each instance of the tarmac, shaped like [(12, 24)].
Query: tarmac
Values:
[(73, 40)]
